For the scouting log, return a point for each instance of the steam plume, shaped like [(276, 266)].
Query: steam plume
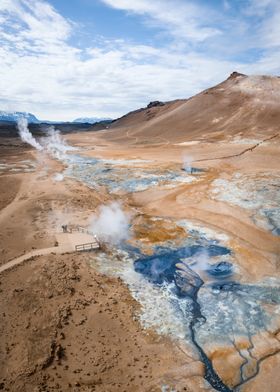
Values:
[(52, 143), (55, 145), (200, 262), (187, 163), (58, 177), (111, 224), (25, 135)]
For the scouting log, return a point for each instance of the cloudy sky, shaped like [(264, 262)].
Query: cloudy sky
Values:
[(62, 59)]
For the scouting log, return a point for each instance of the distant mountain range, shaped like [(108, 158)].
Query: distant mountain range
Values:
[(91, 120), (14, 116)]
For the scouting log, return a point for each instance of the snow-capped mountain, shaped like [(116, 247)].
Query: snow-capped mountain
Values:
[(91, 120), (14, 116)]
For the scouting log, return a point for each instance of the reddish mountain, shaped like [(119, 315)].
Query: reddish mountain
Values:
[(244, 105)]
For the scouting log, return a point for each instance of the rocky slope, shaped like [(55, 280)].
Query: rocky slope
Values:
[(247, 106)]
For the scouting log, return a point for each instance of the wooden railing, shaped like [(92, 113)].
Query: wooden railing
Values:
[(88, 246)]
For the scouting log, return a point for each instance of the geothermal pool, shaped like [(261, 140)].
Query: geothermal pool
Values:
[(195, 293)]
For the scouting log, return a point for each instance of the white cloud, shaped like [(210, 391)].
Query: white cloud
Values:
[(268, 34), (43, 73), (181, 18), (33, 25)]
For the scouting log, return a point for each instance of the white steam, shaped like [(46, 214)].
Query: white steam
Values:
[(187, 163), (58, 177), (25, 135), (111, 224), (55, 145), (200, 262)]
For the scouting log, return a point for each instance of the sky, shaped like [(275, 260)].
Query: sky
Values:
[(63, 59)]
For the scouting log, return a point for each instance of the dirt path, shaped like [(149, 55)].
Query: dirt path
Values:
[(34, 253), (132, 137), (67, 243), (165, 142), (240, 153)]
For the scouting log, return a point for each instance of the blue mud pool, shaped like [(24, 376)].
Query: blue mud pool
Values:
[(215, 305)]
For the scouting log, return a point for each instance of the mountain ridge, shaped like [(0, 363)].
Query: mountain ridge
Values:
[(91, 120), (13, 116), (241, 104)]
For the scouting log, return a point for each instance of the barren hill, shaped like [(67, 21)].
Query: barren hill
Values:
[(244, 105)]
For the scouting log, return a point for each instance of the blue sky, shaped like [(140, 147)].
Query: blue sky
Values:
[(62, 59)]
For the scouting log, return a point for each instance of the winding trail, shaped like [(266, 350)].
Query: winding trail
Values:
[(132, 137), (240, 153), (67, 243), (165, 142), (33, 253)]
